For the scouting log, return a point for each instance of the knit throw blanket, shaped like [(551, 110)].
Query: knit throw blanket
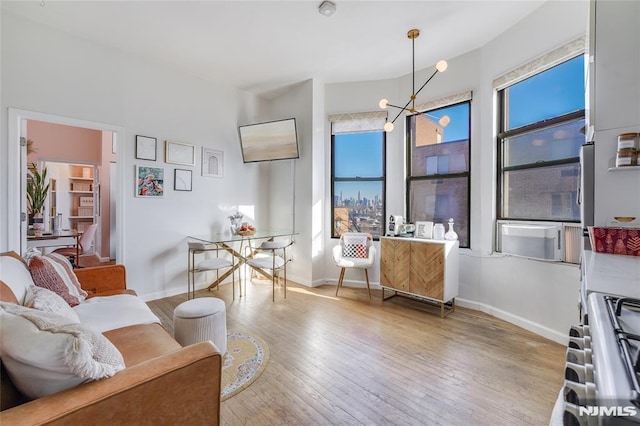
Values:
[(89, 354)]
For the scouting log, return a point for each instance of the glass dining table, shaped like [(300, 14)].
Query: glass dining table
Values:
[(228, 241)]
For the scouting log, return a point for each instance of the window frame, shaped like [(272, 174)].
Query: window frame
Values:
[(382, 179), (410, 178), (502, 118)]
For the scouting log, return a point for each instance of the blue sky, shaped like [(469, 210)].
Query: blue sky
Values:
[(549, 94), (458, 128), (356, 158), (543, 96)]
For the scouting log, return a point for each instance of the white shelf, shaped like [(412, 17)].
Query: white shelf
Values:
[(80, 217), (81, 178), (623, 168), (81, 192)]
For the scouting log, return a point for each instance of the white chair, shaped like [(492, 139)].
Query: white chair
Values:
[(86, 243), (355, 250), (212, 264), (271, 255)]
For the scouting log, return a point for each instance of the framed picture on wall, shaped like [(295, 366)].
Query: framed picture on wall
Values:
[(146, 148), (180, 153), (182, 180), (149, 181), (212, 162)]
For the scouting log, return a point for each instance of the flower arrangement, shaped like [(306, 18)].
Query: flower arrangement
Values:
[(236, 221), (239, 227)]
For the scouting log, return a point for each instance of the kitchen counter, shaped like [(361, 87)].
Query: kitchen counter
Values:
[(611, 273)]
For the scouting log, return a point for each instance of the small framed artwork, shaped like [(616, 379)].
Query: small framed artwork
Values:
[(149, 181), (180, 153), (145, 148), (212, 162), (182, 180)]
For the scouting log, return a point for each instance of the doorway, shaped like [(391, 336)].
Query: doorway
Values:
[(19, 123), (73, 202)]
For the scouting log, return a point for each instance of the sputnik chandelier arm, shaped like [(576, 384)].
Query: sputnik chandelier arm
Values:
[(441, 66), (411, 100)]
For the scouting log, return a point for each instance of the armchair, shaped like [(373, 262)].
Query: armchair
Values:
[(355, 250)]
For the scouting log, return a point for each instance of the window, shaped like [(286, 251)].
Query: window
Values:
[(438, 171), (358, 173), (358, 182), (541, 129)]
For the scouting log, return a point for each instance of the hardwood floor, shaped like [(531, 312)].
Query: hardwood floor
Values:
[(354, 361)]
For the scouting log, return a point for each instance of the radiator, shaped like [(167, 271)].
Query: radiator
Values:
[(572, 242)]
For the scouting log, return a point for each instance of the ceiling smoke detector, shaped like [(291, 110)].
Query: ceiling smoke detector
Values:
[(327, 8)]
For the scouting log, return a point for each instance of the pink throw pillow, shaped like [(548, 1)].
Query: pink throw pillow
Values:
[(54, 272)]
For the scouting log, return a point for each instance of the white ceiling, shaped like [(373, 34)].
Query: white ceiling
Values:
[(262, 46)]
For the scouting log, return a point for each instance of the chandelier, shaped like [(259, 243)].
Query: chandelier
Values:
[(410, 106)]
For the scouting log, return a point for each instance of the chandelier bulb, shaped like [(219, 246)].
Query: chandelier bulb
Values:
[(444, 120), (441, 66)]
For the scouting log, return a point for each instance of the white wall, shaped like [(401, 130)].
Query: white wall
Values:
[(320, 176), (48, 71), (536, 295), (290, 180), (615, 105)]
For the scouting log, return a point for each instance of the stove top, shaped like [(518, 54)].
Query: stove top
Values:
[(614, 328), (625, 319)]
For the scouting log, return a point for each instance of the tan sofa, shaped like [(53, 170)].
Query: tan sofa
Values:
[(163, 383)]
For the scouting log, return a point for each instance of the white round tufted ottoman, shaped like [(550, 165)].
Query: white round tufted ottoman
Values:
[(201, 319)]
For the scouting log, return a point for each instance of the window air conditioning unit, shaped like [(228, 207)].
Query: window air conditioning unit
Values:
[(532, 241)]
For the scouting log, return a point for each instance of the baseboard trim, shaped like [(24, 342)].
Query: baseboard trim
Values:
[(528, 325), (174, 292)]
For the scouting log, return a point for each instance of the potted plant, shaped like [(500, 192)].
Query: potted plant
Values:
[(37, 191)]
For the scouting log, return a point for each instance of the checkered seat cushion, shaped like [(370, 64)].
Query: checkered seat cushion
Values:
[(355, 251)]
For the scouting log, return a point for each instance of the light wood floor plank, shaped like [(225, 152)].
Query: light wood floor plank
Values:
[(350, 360)]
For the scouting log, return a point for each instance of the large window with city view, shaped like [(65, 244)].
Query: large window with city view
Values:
[(438, 180), (358, 182), (541, 129)]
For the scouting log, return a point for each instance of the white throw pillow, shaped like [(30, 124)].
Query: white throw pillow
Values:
[(111, 312), (16, 276), (46, 300), (43, 355)]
